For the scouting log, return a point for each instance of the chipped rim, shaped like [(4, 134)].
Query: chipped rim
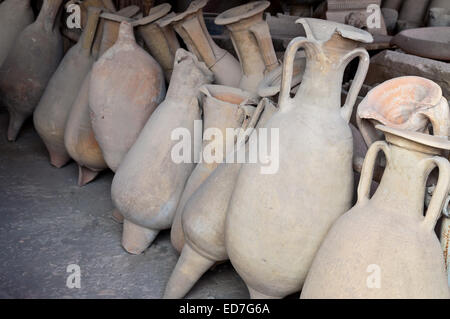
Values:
[(432, 141), (323, 30)]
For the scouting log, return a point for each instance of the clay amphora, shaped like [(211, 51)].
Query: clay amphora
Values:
[(203, 219), (30, 65), (191, 27), (126, 86), (252, 42), (223, 107), (412, 14), (51, 114), (149, 183), (388, 234), (408, 103), (15, 16), (161, 42), (276, 221), (79, 138)]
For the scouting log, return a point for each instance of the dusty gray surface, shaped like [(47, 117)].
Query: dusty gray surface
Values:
[(47, 222)]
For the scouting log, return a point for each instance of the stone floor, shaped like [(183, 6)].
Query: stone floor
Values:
[(47, 222)]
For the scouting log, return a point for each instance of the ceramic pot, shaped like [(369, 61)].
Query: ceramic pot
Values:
[(15, 16), (223, 108), (79, 138), (51, 114), (126, 86), (30, 65), (161, 42), (412, 14), (364, 241), (277, 218), (191, 27), (408, 102), (148, 184), (203, 218), (252, 42)]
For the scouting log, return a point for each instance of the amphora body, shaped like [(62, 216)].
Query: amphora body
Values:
[(148, 184), (51, 114), (15, 16), (252, 41), (29, 66), (385, 247), (223, 108), (79, 138), (278, 217), (126, 86), (203, 216)]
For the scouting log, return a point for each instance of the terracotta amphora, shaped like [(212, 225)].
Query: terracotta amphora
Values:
[(385, 247), (161, 42), (126, 86), (51, 114), (148, 184), (412, 14), (191, 27), (251, 40), (278, 215), (15, 16), (79, 138), (203, 218), (30, 65), (223, 108), (408, 103)]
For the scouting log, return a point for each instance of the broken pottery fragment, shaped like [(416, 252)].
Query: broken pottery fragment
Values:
[(408, 103)]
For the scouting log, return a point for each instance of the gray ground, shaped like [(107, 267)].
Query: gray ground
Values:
[(47, 222)]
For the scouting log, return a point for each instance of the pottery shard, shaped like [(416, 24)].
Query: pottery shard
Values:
[(390, 64)]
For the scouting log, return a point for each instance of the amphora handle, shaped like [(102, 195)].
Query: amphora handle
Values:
[(367, 169), (440, 192), (288, 64), (261, 32), (360, 76)]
